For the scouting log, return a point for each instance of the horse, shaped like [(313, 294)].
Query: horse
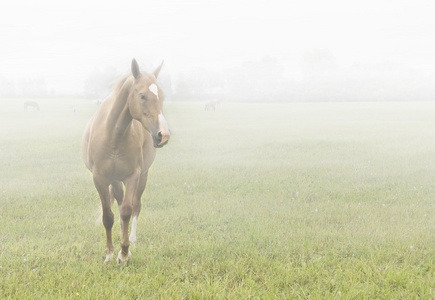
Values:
[(118, 147), (32, 104), (211, 105)]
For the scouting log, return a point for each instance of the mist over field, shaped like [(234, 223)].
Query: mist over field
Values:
[(262, 51), (265, 201), (300, 163)]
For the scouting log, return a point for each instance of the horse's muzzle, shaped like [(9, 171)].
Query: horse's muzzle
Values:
[(161, 139)]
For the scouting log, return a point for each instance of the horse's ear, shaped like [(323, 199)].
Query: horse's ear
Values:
[(135, 69), (157, 71)]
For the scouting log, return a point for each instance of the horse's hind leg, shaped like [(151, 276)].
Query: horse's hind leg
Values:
[(137, 205), (115, 192), (103, 191)]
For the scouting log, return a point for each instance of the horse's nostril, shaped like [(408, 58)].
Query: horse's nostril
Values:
[(161, 138)]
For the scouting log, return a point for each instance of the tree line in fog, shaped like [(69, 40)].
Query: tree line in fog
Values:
[(320, 78)]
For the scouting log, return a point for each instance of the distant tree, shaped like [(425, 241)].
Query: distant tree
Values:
[(197, 83), (32, 87), (99, 83), (182, 87), (7, 87), (318, 63), (257, 80)]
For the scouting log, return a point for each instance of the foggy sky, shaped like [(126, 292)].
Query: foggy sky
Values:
[(64, 41)]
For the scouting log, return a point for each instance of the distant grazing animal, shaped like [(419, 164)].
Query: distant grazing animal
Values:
[(31, 104), (211, 105), (119, 145)]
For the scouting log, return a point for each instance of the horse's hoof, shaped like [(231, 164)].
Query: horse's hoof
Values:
[(121, 260), (108, 257)]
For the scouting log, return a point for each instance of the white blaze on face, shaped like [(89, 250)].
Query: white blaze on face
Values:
[(164, 129), (162, 123), (153, 88)]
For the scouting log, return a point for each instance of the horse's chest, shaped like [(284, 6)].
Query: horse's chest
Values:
[(119, 165)]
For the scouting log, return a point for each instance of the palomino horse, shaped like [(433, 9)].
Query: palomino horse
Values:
[(119, 145), (32, 104)]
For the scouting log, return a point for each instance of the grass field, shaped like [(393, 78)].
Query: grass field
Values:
[(261, 201)]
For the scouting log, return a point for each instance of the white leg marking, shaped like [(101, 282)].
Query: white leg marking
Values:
[(122, 260), (108, 257), (132, 237)]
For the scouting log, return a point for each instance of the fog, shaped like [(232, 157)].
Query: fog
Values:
[(377, 50)]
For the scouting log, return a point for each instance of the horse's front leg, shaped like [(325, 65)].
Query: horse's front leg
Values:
[(125, 211), (137, 205), (103, 191)]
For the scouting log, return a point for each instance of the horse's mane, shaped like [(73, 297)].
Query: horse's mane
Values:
[(122, 81), (120, 84)]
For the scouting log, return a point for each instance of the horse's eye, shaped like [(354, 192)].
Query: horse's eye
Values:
[(142, 97)]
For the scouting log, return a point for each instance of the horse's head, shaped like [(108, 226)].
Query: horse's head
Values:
[(145, 104)]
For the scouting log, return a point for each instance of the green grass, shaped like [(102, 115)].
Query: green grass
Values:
[(262, 201)]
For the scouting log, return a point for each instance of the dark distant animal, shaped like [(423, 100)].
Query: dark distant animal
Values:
[(211, 105), (119, 145), (31, 104)]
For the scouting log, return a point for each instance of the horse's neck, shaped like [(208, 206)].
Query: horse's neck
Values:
[(119, 118)]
